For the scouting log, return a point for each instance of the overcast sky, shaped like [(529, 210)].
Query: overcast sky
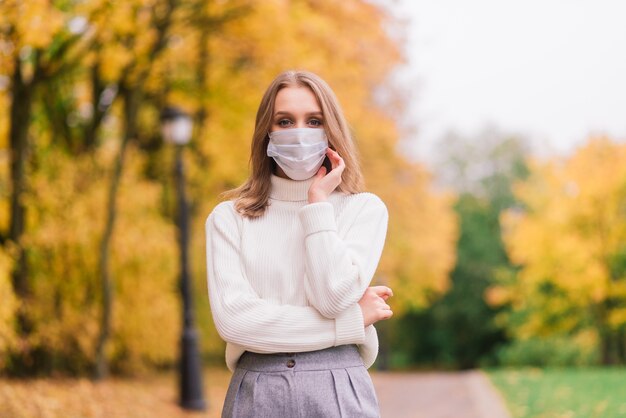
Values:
[(554, 70)]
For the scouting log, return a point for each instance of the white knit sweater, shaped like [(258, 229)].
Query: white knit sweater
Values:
[(290, 280)]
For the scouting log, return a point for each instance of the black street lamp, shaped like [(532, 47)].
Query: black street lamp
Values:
[(177, 127)]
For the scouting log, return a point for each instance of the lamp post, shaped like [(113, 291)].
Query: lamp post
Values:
[(176, 126)]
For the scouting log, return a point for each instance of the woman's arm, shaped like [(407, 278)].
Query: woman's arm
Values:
[(338, 270), (242, 317)]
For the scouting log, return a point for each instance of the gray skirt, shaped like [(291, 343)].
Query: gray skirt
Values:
[(327, 383)]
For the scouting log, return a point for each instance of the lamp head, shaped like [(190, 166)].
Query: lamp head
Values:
[(176, 126)]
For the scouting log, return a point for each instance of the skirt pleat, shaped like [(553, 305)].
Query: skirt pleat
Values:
[(233, 393), (363, 388)]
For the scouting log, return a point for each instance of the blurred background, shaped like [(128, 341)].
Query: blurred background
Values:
[(494, 132)]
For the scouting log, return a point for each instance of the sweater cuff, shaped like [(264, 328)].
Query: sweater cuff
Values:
[(369, 349), (349, 326), (317, 217)]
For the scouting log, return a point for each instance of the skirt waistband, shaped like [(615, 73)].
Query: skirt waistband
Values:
[(339, 357)]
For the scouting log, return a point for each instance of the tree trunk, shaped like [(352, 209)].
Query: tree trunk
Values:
[(621, 345), (607, 347), (132, 96), (101, 105), (21, 106), (131, 105), (201, 76)]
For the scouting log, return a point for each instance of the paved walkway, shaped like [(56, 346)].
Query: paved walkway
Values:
[(438, 395)]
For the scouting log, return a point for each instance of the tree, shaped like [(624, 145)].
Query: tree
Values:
[(568, 238), (36, 55), (99, 227), (459, 329)]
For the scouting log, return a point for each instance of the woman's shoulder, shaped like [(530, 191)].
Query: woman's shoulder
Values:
[(364, 200), (223, 211)]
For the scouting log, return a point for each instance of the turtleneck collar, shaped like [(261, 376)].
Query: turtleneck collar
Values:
[(290, 190)]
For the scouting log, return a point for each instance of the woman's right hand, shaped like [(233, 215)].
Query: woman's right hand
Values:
[(374, 306), (325, 183)]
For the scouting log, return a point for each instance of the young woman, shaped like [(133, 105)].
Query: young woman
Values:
[(290, 259)]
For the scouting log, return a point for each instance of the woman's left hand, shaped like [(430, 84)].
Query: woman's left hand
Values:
[(324, 184)]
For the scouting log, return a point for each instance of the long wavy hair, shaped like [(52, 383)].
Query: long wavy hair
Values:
[(252, 198)]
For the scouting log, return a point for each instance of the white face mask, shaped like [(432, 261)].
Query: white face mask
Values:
[(299, 152)]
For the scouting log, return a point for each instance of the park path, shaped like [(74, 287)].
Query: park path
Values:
[(438, 395)]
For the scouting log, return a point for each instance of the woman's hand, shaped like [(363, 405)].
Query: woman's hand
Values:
[(374, 306), (323, 185)]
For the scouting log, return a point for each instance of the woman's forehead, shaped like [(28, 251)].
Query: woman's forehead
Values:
[(296, 100)]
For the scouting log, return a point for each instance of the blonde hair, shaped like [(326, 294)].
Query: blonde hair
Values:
[(252, 198)]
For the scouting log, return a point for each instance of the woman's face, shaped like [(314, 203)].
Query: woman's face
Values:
[(296, 107)]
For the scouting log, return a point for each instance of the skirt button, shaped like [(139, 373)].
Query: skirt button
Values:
[(291, 363)]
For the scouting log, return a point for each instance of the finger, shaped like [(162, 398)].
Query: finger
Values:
[(386, 314), (382, 291), (382, 299), (335, 158), (340, 166), (332, 157), (321, 172), (336, 155)]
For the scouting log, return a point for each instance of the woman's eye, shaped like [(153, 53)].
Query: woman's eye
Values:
[(315, 122), (284, 123)]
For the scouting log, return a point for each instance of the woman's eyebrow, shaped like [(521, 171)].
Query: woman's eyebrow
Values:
[(285, 113)]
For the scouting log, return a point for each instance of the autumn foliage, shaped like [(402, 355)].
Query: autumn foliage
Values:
[(88, 241), (88, 255), (569, 238)]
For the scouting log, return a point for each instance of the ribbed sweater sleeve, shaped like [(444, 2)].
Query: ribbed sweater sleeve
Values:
[(243, 318), (338, 270)]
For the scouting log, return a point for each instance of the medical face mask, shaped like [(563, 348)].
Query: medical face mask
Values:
[(299, 152)]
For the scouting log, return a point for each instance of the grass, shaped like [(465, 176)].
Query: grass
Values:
[(148, 396), (563, 393)]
